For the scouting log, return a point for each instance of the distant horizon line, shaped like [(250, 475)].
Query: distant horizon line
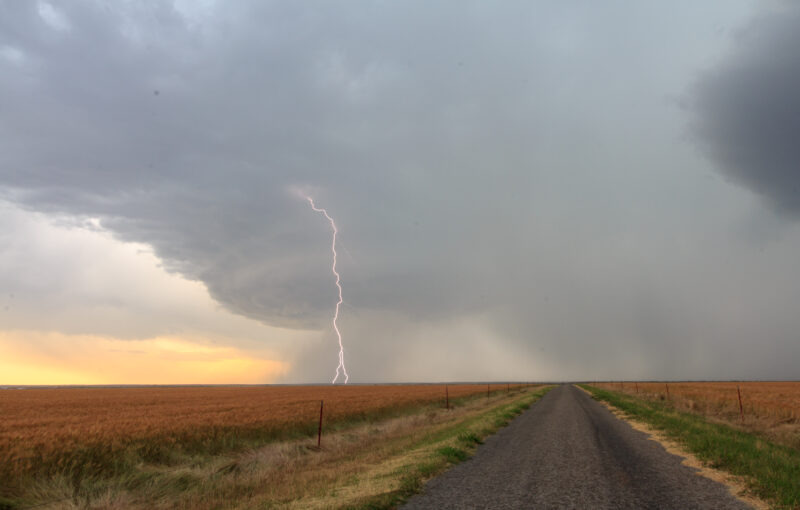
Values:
[(255, 385)]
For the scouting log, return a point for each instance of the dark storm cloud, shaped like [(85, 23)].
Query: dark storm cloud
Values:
[(748, 109), (188, 140), (503, 175)]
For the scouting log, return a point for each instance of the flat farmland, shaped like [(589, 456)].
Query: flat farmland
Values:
[(235, 446), (772, 408), (62, 429)]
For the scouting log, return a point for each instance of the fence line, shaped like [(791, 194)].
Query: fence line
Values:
[(168, 471)]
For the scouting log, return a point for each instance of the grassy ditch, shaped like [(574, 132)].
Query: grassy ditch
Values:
[(363, 463), (771, 471)]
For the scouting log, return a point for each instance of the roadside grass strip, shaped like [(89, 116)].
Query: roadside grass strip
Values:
[(771, 471)]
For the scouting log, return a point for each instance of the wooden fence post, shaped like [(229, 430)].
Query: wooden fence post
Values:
[(741, 410), (319, 430), (637, 387), (487, 390), (666, 385), (446, 397)]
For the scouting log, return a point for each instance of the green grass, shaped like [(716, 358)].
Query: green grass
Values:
[(467, 435), (470, 438), (452, 454), (772, 471)]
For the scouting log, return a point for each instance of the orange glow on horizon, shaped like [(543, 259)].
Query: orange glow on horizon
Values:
[(51, 358)]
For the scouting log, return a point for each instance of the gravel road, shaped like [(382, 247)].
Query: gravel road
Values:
[(568, 451)]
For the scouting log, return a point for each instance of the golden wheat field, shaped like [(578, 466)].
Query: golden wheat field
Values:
[(46, 426), (776, 399), (771, 407)]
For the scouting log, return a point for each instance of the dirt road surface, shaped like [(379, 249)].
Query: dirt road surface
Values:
[(568, 451)]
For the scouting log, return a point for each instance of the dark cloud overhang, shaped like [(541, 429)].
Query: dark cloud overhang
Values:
[(747, 110)]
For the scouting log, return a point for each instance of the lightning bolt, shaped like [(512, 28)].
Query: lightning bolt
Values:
[(338, 286)]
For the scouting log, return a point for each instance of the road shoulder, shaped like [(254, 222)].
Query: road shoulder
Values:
[(734, 484)]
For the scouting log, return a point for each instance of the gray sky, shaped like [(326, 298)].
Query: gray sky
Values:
[(524, 190)]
